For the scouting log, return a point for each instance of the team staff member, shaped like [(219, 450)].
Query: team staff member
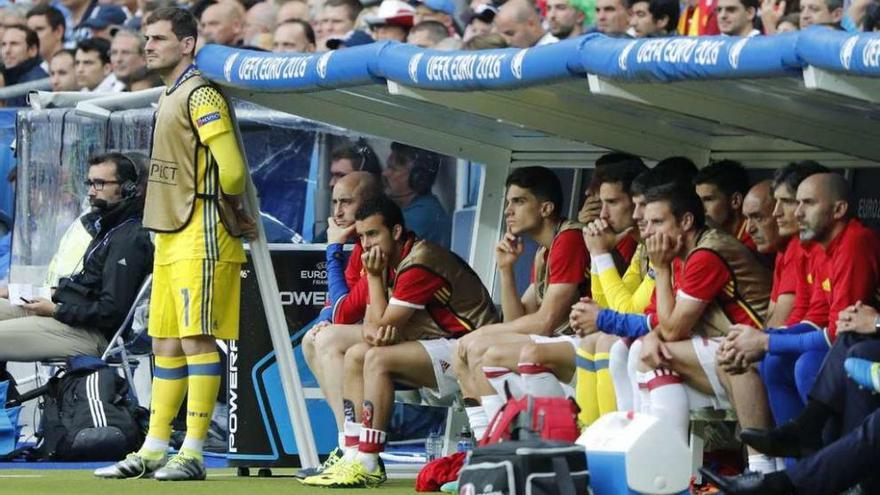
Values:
[(848, 270), (89, 306), (559, 278), (786, 390), (197, 175), (785, 184), (417, 309)]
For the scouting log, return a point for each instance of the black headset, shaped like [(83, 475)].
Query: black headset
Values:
[(363, 151), (129, 187), (423, 171)]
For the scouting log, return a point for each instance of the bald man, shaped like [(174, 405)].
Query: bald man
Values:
[(325, 344), (222, 23), (758, 206), (845, 265), (851, 251), (519, 23), (258, 22)]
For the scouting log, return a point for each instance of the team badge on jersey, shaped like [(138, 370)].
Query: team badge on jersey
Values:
[(208, 118)]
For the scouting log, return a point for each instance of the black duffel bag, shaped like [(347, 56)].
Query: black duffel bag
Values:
[(534, 466)]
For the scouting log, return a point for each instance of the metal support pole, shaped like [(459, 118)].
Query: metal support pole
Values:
[(290, 382)]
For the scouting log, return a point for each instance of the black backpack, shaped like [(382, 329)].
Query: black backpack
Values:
[(517, 467), (526, 464), (88, 415)]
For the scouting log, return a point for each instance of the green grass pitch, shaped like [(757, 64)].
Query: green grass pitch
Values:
[(220, 482)]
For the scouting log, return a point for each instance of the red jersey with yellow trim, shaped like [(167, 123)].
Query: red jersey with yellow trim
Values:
[(568, 259), (705, 277), (848, 270), (735, 287), (448, 296), (801, 256), (785, 275)]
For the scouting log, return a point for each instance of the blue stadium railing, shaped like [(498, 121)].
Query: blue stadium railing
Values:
[(652, 59)]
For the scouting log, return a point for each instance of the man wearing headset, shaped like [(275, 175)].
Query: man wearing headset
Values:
[(88, 306), (408, 179), (344, 160)]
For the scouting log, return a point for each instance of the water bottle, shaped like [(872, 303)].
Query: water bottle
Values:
[(434, 445), (465, 441)]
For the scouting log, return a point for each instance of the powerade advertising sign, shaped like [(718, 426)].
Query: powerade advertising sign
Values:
[(260, 433)]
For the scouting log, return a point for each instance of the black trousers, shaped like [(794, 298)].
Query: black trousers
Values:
[(849, 460)]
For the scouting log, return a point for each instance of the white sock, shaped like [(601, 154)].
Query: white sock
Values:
[(192, 445), (352, 433), (669, 401), (491, 404), (369, 461), (632, 368), (498, 377), (153, 444), (617, 366), (644, 394), (760, 463), (478, 420), (539, 381), (340, 440)]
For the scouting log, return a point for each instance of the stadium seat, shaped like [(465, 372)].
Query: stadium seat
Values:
[(131, 341)]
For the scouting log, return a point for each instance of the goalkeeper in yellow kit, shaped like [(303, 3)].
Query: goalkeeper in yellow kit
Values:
[(193, 203)]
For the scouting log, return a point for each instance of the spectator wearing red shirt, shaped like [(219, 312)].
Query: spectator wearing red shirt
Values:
[(324, 345), (848, 269), (421, 297), (559, 277), (721, 187)]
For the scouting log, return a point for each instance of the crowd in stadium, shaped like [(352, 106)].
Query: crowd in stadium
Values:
[(87, 45)]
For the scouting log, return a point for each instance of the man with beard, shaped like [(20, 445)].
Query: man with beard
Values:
[(721, 187), (565, 19), (90, 305), (194, 204)]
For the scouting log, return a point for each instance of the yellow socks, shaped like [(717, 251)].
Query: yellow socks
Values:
[(204, 383), (169, 388), (585, 393), (604, 384)]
